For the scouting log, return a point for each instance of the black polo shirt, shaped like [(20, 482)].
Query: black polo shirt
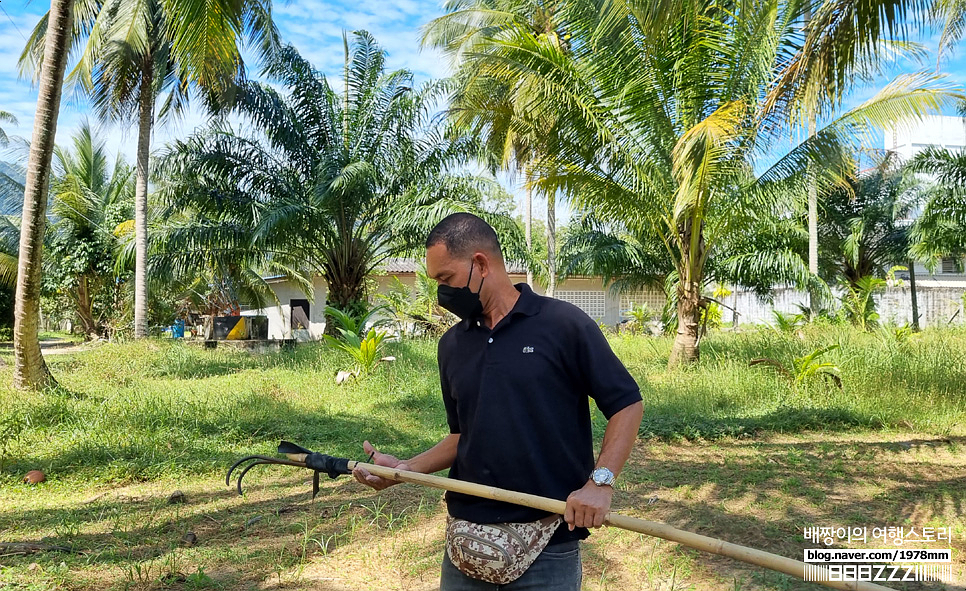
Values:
[(518, 397)]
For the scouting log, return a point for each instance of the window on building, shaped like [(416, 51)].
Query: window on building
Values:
[(653, 299), (593, 303), (300, 314), (949, 265)]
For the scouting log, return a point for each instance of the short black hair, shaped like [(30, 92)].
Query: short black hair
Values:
[(463, 234)]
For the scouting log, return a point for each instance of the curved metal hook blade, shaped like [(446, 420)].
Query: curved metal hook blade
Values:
[(255, 461)]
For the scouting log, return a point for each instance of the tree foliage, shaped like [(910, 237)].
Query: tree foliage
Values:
[(90, 200), (661, 111), (322, 180), (940, 229)]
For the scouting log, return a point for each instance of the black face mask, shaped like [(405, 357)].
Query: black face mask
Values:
[(460, 300)]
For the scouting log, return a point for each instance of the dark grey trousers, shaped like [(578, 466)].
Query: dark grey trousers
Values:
[(557, 568)]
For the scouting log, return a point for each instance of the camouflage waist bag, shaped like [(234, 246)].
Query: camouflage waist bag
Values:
[(497, 553)]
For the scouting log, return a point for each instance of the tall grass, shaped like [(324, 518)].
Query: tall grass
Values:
[(146, 409), (916, 383)]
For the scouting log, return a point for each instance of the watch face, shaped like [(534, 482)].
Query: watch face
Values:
[(602, 476)]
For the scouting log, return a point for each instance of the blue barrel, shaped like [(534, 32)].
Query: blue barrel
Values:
[(177, 331)]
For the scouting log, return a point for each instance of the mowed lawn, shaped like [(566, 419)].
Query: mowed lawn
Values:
[(743, 453)]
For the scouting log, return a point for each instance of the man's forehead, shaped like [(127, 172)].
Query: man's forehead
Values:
[(438, 260)]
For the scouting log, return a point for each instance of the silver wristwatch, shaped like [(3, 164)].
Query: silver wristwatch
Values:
[(602, 477)]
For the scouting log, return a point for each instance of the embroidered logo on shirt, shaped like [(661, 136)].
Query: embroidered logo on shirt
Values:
[(528, 349)]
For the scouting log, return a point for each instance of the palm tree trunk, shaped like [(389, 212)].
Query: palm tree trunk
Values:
[(30, 370), (685, 346), (145, 123), (914, 296), (551, 244), (813, 297), (528, 225), (344, 272), (84, 303)]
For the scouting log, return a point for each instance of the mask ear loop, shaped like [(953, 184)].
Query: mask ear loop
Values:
[(470, 278)]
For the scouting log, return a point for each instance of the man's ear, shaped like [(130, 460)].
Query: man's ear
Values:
[(480, 258)]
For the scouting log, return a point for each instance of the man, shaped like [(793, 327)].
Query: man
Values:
[(516, 373)]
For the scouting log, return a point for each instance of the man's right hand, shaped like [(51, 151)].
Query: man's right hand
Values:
[(379, 459)]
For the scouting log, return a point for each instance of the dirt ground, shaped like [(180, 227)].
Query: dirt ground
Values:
[(760, 492)]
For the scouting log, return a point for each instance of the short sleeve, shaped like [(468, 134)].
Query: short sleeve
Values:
[(611, 386), (449, 401)]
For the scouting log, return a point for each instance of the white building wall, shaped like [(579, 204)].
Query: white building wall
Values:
[(940, 297), (279, 316), (939, 304), (909, 139), (587, 293)]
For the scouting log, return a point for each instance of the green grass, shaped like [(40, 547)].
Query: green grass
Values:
[(137, 411), (56, 335), (141, 410), (729, 450), (917, 384)]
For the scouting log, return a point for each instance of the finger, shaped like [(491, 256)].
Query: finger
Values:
[(361, 474), (569, 515), (580, 517), (368, 448), (599, 518)]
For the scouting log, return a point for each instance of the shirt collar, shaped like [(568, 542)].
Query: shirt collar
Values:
[(528, 304)]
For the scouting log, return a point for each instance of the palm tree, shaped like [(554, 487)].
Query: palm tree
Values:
[(30, 370), (666, 108), (940, 229), (498, 110), (89, 204), (131, 52), (863, 231), (11, 206), (89, 200), (328, 181), (6, 117), (625, 257)]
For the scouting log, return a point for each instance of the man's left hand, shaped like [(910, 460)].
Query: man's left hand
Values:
[(588, 506)]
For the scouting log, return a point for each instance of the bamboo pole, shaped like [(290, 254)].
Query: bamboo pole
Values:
[(761, 558)]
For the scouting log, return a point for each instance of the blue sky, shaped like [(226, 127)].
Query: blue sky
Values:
[(313, 26)]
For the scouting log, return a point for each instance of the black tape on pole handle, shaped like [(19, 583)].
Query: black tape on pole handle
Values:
[(334, 467), (319, 462)]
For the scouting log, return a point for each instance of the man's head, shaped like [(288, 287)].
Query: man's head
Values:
[(461, 251), (463, 235)]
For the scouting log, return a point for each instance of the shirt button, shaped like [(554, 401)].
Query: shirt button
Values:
[(490, 340)]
